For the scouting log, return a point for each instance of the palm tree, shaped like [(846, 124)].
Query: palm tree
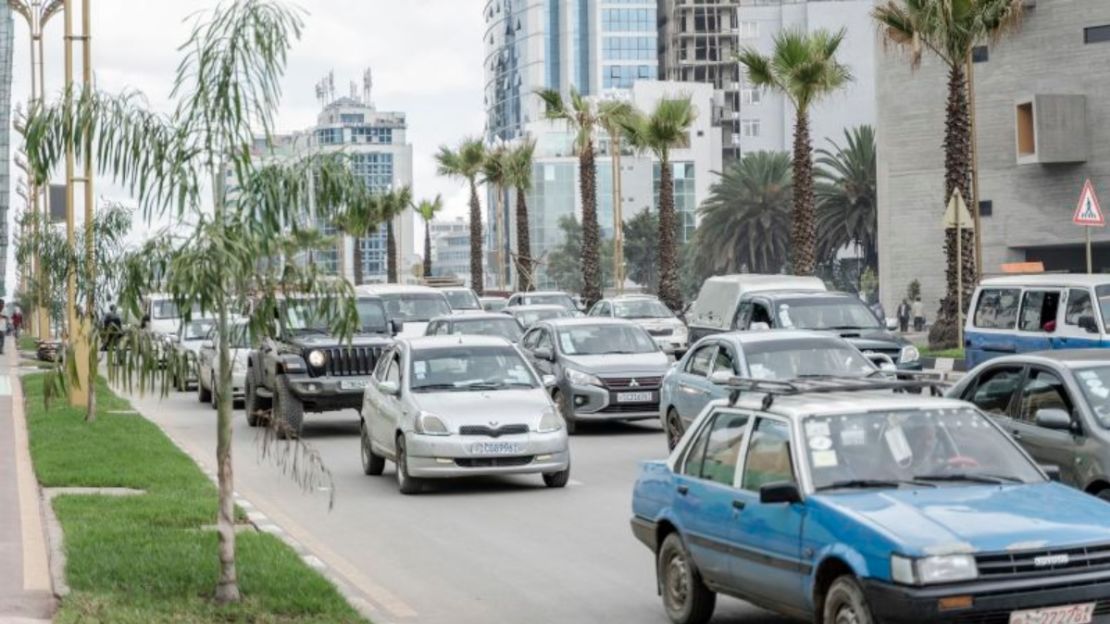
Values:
[(518, 175), (612, 115), (427, 211), (949, 29), (357, 221), (391, 205), (745, 222), (466, 162), (582, 118), (494, 169), (667, 127), (847, 211), (803, 67)]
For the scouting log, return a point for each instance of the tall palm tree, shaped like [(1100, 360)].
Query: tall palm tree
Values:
[(427, 211), (518, 175), (745, 222), (804, 68), (494, 169), (582, 118), (949, 29), (466, 162), (847, 210), (612, 115), (666, 128), (392, 204), (357, 221)]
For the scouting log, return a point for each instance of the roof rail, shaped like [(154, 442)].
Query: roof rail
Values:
[(826, 384)]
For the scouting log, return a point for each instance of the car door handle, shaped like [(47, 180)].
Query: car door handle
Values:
[(682, 489), (739, 505)]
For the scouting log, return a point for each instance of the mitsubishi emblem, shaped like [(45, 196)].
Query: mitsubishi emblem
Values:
[(632, 383)]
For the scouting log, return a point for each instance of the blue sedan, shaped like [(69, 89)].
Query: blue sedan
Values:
[(861, 507)]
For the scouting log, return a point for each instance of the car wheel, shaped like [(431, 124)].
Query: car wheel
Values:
[(405, 483), (686, 599), (252, 403), (557, 479), (213, 398), (846, 604), (563, 405), (1104, 494), (674, 428), (372, 463), (204, 395), (288, 411)]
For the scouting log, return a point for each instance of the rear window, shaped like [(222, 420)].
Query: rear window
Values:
[(997, 308)]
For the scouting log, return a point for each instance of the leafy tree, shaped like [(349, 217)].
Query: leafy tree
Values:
[(847, 207), (745, 222), (427, 211), (804, 68), (913, 290), (518, 175), (564, 262), (666, 128), (244, 252), (641, 237), (465, 162)]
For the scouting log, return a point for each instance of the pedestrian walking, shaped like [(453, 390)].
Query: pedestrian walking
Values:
[(918, 315), (904, 312)]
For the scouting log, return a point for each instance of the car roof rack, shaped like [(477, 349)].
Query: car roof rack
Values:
[(827, 384)]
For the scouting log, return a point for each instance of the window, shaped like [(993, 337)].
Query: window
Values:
[(768, 459), (749, 30), (994, 389), (749, 128), (760, 314), (1038, 310), (1096, 34), (1079, 306), (750, 96), (1026, 134), (701, 361), (743, 315), (393, 371), (997, 308), (1043, 390), (722, 448), (629, 48), (695, 457), (545, 341), (531, 339), (986, 208), (723, 361), (382, 365), (980, 54)]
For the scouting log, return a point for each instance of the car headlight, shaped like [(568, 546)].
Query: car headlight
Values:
[(933, 570), (579, 378), (317, 359), (909, 354), (680, 331), (430, 424), (550, 422)]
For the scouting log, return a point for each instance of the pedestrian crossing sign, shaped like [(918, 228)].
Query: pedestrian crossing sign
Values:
[(1088, 212)]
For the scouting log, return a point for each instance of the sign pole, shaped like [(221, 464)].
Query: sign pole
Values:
[(1088, 214), (1087, 229)]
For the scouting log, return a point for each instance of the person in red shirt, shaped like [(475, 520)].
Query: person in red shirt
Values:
[(17, 322)]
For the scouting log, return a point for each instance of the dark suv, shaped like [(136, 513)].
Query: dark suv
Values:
[(305, 368)]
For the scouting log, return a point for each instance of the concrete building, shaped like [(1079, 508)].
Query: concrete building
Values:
[(6, 36), (451, 249), (1042, 107)]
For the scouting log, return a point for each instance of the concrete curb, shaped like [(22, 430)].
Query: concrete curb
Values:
[(944, 365)]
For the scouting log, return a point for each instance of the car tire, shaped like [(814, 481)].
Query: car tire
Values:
[(673, 428), (565, 411), (203, 395), (845, 602), (214, 399), (1104, 494), (288, 411), (253, 403), (372, 463), (406, 484), (557, 479), (686, 599)]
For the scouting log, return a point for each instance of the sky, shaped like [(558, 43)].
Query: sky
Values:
[(426, 57)]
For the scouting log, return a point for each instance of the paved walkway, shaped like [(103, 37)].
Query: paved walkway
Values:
[(25, 590)]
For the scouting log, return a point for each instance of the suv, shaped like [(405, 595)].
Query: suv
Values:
[(648, 312), (304, 368), (410, 306)]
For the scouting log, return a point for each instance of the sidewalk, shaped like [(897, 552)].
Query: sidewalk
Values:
[(26, 595)]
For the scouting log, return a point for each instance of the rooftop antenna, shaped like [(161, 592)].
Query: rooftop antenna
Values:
[(354, 90), (367, 86), (331, 86)]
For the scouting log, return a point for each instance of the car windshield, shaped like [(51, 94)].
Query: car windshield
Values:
[(417, 307), (604, 339), (641, 309), (825, 313), (240, 336), (1095, 382), (371, 317), (915, 447), (462, 300), (531, 317), (559, 299), (462, 368), (494, 305), (506, 328), (197, 330), (805, 357), (1103, 293)]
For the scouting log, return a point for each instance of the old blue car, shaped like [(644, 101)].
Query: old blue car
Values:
[(831, 501)]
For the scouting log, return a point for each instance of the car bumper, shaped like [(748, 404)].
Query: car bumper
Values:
[(329, 393), (671, 345), (594, 403), (445, 457), (991, 601)]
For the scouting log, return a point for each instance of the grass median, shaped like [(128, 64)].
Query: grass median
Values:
[(152, 557)]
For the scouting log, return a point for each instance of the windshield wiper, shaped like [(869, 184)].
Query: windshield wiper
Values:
[(974, 478), (850, 327), (870, 483), (438, 386), (311, 330)]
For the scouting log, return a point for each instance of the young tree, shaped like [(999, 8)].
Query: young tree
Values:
[(564, 262), (804, 68), (358, 222), (391, 205), (427, 211), (612, 115), (466, 162), (519, 176), (247, 249)]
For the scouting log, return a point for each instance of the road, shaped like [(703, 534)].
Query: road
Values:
[(477, 551)]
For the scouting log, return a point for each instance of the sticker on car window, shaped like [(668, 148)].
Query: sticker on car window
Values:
[(818, 428), (853, 437), (820, 443), (1100, 391), (899, 447), (759, 371), (420, 368), (784, 316), (1087, 375), (824, 459)]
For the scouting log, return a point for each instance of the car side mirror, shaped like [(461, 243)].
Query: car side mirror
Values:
[(395, 326), (543, 353), (207, 344), (1052, 471), (1053, 418), (760, 326), (389, 388), (549, 381), (892, 324), (720, 377), (1089, 324), (781, 492)]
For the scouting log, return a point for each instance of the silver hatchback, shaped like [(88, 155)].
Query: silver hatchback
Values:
[(458, 406)]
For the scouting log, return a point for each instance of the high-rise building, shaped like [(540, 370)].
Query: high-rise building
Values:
[(451, 249), (6, 34)]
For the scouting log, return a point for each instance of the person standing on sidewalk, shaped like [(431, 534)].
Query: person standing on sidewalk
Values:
[(904, 311), (918, 315), (17, 322), (3, 326)]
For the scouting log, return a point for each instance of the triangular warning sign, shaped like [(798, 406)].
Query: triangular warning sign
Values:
[(1088, 211)]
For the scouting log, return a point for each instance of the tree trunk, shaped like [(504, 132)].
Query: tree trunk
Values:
[(390, 252), (591, 235), (669, 291), (227, 590), (804, 232), (427, 248), (957, 175), (477, 283), (356, 260), (523, 243)]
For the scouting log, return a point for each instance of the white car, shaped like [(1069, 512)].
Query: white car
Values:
[(457, 406), (666, 329), (208, 363), (412, 306), (184, 347)]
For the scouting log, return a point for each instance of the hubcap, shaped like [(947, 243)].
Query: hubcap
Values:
[(676, 429), (847, 615), (677, 583)]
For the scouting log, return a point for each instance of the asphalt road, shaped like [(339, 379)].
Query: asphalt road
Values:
[(475, 551)]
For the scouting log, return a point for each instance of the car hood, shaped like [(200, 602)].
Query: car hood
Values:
[(979, 518), (310, 341), (653, 363), (871, 339), (658, 323), (413, 329), (504, 407)]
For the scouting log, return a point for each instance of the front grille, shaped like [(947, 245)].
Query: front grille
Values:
[(346, 361), (629, 408), (1002, 616), (625, 383), (492, 432), (666, 331), (493, 462), (1024, 564)]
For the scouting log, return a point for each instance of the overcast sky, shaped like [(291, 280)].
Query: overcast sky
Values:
[(426, 57)]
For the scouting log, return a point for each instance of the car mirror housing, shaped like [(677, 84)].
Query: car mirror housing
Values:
[(1051, 470), (396, 326), (544, 353), (1054, 418), (781, 492), (720, 377), (390, 388), (549, 381)]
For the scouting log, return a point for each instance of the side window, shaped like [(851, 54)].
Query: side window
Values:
[(722, 449), (997, 308), (382, 365), (761, 314), (1038, 310), (1043, 390), (1080, 307), (433, 328), (393, 371), (743, 315), (701, 361), (695, 457), (768, 459), (995, 388), (606, 309), (530, 339), (545, 340), (724, 360)]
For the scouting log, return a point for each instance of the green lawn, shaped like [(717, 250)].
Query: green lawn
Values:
[(146, 558), (957, 353), (27, 342)]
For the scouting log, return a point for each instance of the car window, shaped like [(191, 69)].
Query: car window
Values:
[(761, 314), (382, 365), (997, 308), (393, 371), (701, 361), (743, 315), (994, 389), (695, 457), (1038, 310), (768, 459), (530, 339), (790, 358), (723, 360), (545, 340), (1043, 390), (1095, 384), (1079, 306), (722, 448), (466, 368)]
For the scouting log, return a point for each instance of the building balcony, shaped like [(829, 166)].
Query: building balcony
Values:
[(1051, 129)]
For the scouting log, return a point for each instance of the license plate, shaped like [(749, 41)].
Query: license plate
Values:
[(1071, 614), (635, 397), (352, 384), (495, 448)]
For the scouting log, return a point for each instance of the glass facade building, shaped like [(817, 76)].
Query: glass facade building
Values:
[(6, 35), (685, 197)]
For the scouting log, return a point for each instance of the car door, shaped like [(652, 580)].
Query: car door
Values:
[(542, 340), (993, 392), (705, 494), (724, 361), (1077, 326), (1044, 389), (387, 408), (992, 330), (206, 358), (1037, 319), (769, 535), (692, 385)]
